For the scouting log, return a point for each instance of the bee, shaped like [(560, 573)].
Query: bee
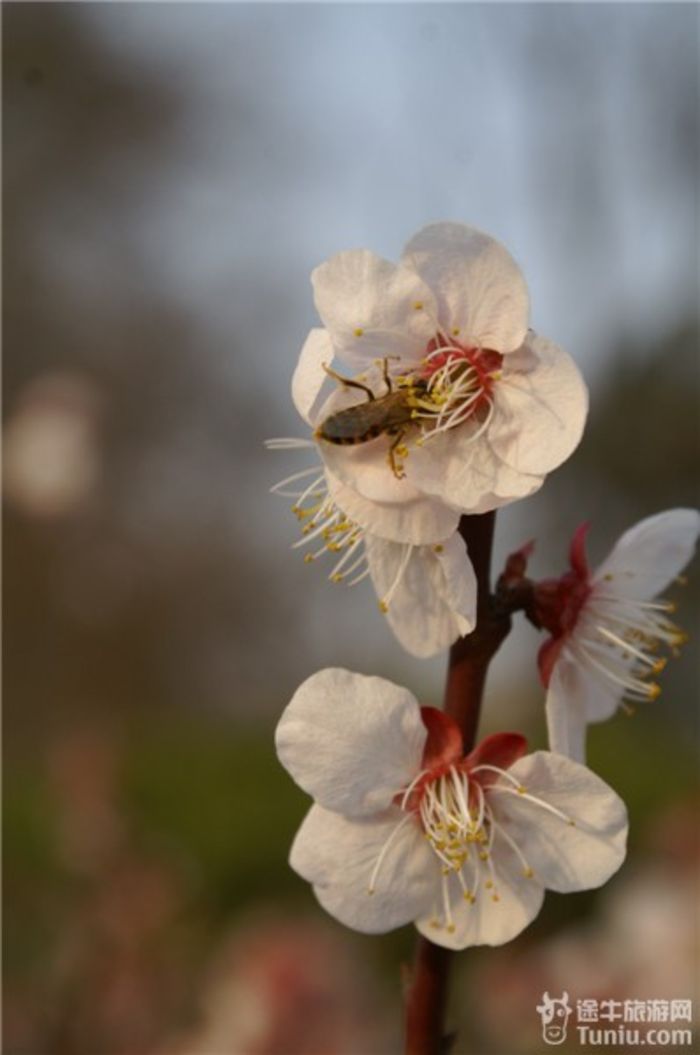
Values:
[(389, 415)]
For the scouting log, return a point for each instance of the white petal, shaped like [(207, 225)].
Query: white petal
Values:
[(648, 556), (540, 407), (487, 922), (435, 600), (422, 521), (338, 856), (564, 857), (594, 696), (373, 308), (466, 473), (566, 710), (479, 287), (365, 468), (309, 375), (460, 581), (351, 741)]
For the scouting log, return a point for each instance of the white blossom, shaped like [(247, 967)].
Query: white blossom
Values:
[(607, 627), (406, 828), (461, 401)]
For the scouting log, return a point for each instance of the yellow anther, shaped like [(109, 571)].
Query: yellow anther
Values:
[(435, 924), (446, 871), (358, 332), (608, 577), (295, 510), (438, 549), (571, 822), (455, 331), (451, 928), (370, 890), (308, 557), (654, 691), (495, 897), (383, 607), (659, 665), (483, 856), (337, 577), (528, 873), (418, 305), (521, 790), (488, 884)]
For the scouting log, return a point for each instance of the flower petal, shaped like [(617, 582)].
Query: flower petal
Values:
[(487, 922), (309, 375), (541, 403), (565, 857), (466, 473), (365, 468), (373, 308), (339, 856), (434, 602), (591, 694), (459, 581), (351, 741), (480, 290), (422, 521), (650, 554), (566, 710)]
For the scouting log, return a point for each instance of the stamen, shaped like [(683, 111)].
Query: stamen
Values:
[(411, 786), (498, 770), (446, 906), (626, 646), (276, 489), (634, 686), (522, 794), (288, 443), (403, 564), (500, 830), (384, 850)]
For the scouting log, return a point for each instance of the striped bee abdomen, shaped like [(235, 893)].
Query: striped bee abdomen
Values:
[(366, 421)]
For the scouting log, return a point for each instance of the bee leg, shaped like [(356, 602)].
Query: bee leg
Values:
[(396, 466), (385, 372), (348, 383)]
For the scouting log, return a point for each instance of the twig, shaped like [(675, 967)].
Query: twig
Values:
[(426, 997)]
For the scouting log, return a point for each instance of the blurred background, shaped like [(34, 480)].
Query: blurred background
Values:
[(172, 174)]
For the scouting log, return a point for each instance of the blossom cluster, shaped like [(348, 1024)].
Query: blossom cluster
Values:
[(428, 398)]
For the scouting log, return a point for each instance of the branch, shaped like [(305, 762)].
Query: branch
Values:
[(470, 656)]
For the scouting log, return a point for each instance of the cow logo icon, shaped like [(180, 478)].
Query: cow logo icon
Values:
[(555, 1016)]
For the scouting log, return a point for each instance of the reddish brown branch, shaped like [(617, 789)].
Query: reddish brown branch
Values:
[(426, 997)]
